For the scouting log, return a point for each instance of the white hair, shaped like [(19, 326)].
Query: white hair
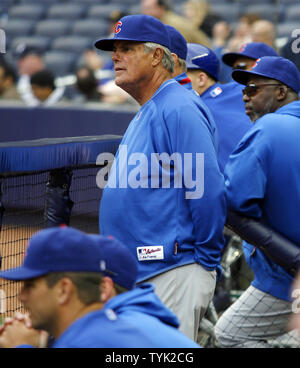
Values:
[(167, 59)]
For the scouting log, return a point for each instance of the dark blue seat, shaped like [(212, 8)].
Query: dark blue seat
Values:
[(92, 28), (286, 29), (40, 43), (27, 11), (72, 43), (18, 27), (66, 11), (103, 10), (292, 14), (53, 27), (226, 11), (60, 62), (266, 11)]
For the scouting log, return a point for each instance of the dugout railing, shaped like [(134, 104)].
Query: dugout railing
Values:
[(44, 183)]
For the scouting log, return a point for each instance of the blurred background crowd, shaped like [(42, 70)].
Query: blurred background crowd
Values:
[(50, 58)]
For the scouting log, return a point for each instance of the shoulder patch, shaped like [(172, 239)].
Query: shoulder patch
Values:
[(216, 92)]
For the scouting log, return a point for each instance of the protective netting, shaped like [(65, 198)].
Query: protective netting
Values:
[(27, 203)]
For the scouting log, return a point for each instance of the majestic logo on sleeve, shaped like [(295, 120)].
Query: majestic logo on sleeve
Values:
[(118, 27)]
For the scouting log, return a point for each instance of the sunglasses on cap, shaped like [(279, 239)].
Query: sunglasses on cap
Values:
[(252, 89)]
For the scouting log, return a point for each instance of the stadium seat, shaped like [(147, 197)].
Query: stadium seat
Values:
[(66, 11), (91, 28), (292, 14), (253, 2), (91, 2), (40, 43), (226, 11), (60, 62), (53, 27), (73, 43), (27, 11), (18, 27), (42, 2), (103, 11), (266, 11), (286, 29), (133, 2)]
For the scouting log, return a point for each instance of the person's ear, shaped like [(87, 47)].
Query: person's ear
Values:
[(175, 57), (282, 92), (107, 289), (158, 54), (202, 79), (64, 290)]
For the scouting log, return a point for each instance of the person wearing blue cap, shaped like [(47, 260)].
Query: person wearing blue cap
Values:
[(223, 100), (262, 182), (245, 57), (81, 289), (156, 203), (178, 48)]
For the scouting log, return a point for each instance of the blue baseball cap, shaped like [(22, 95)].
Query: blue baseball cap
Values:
[(64, 249), (138, 28), (178, 44), (274, 67), (251, 50), (201, 57)]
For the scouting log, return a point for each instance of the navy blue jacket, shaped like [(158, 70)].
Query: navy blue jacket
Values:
[(262, 181), (225, 102)]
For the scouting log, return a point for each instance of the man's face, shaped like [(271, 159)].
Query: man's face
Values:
[(132, 65), (2, 81), (41, 93), (40, 300), (261, 97), (5, 82), (244, 63), (30, 64)]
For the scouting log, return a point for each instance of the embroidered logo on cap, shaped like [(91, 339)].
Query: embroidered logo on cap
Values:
[(118, 27), (256, 62), (242, 48)]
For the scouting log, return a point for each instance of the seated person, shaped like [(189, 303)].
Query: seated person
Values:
[(44, 88)]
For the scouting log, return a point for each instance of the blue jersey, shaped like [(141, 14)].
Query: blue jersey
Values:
[(225, 102), (168, 213), (185, 81), (134, 319), (262, 181)]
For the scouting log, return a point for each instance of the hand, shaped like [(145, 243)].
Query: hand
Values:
[(294, 322), (18, 331)]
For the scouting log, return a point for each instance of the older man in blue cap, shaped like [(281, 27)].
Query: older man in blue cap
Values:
[(262, 182), (81, 289), (174, 232)]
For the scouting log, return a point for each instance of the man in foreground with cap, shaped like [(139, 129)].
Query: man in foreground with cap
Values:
[(80, 288), (223, 100), (157, 204), (262, 181)]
